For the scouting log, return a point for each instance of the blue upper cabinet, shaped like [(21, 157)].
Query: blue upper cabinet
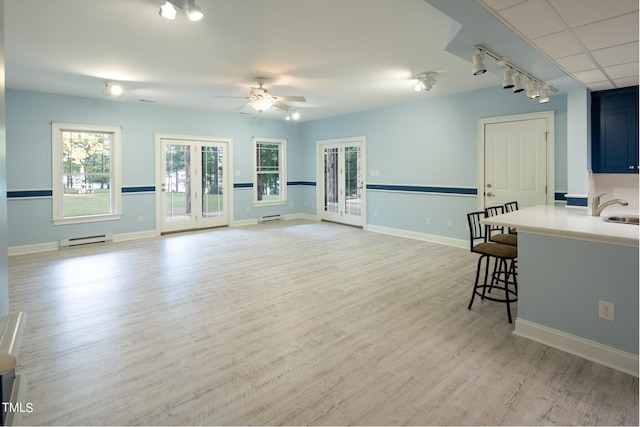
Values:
[(614, 131)]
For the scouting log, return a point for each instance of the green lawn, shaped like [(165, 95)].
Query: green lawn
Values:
[(98, 203)]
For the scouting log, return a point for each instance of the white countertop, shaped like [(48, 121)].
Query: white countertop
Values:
[(575, 223)]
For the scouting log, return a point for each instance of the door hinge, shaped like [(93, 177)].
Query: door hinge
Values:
[(546, 135)]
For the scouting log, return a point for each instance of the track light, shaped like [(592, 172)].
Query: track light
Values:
[(507, 82), (113, 89), (168, 9), (532, 91), (517, 84), (544, 94), (425, 82), (194, 13), (534, 84), (478, 65)]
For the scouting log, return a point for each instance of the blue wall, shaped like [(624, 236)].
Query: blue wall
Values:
[(431, 142)]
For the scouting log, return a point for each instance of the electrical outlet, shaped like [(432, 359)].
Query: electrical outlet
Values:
[(607, 310), (428, 221), (450, 223), (140, 218)]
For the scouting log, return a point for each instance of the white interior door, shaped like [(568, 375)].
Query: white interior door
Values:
[(194, 184), (516, 163), (341, 183)]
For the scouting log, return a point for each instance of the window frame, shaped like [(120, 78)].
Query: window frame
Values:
[(115, 189), (282, 170)]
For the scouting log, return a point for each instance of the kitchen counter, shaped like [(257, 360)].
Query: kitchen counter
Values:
[(568, 262), (573, 223)]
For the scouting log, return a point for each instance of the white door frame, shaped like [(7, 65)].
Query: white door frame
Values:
[(228, 177), (482, 123), (361, 140)]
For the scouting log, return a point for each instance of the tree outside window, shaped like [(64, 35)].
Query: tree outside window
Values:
[(270, 180)]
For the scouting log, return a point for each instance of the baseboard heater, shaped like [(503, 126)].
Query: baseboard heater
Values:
[(268, 218), (86, 240)]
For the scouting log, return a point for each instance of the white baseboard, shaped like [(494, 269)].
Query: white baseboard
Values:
[(54, 246), (449, 241), (134, 236), (587, 349), (32, 249)]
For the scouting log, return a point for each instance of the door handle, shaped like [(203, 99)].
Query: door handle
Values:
[(490, 195)]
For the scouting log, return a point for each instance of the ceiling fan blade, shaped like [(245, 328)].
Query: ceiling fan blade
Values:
[(233, 97), (281, 106), (243, 106), (290, 98)]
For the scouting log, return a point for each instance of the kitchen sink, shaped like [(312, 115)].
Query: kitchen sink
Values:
[(623, 219)]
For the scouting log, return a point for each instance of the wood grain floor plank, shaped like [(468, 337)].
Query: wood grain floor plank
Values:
[(289, 323)]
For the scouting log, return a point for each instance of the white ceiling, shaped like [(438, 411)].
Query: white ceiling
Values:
[(343, 56)]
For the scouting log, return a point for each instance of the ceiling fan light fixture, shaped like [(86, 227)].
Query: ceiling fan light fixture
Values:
[(295, 115), (425, 82), (168, 11), (261, 104)]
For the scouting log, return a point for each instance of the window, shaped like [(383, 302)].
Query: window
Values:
[(270, 181), (86, 182)]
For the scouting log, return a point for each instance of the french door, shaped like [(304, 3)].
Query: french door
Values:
[(341, 181), (194, 184)]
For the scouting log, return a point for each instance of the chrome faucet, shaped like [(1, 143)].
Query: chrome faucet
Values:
[(596, 207)]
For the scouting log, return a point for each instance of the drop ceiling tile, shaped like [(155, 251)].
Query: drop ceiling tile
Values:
[(498, 5), (610, 32), (559, 45), (575, 63), (622, 71), (616, 55), (533, 18), (626, 82), (581, 12), (603, 85), (590, 76)]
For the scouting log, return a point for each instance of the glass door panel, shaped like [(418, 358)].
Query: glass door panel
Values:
[(177, 183), (212, 182), (352, 181), (331, 200)]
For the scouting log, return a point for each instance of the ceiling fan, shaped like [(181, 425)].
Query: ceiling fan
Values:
[(261, 100)]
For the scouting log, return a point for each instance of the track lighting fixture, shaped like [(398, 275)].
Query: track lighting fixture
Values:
[(193, 11), (517, 84), (532, 90), (113, 89), (478, 65), (544, 94), (507, 82), (535, 87), (425, 81)]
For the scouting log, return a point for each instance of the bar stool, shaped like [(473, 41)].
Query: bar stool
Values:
[(510, 207), (496, 232), (504, 276)]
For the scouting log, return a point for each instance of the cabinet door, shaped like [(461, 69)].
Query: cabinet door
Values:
[(618, 140)]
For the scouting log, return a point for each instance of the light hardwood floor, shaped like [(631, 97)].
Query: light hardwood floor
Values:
[(292, 323)]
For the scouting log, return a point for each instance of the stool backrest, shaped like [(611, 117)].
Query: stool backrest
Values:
[(511, 206), (477, 231), (493, 211)]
